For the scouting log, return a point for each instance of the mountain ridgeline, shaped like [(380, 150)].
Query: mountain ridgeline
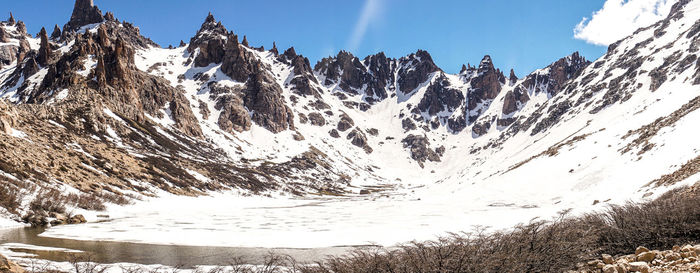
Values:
[(97, 106)]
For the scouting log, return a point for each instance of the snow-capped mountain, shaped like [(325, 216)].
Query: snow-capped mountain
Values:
[(99, 107)]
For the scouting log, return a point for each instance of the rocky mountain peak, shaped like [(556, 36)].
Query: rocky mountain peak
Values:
[(512, 78), (245, 41), (415, 70), (109, 16), (274, 49), (486, 64), (11, 21), (84, 13), (56, 34)]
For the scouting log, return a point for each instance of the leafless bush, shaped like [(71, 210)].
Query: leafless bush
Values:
[(10, 196), (86, 264), (539, 246), (673, 219), (48, 200), (86, 201)]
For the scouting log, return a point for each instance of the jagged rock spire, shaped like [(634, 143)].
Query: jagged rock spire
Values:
[(11, 21), (56, 32), (182, 43), (45, 48), (210, 18), (84, 13), (512, 78), (464, 69), (486, 64), (274, 49), (245, 41)]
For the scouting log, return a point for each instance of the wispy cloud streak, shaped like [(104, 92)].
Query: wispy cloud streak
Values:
[(370, 12)]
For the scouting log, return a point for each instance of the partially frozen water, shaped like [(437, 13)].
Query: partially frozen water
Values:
[(233, 221), (25, 242)]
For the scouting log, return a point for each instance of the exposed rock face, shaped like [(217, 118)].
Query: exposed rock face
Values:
[(552, 78), (420, 149), (4, 37), (481, 128), (345, 123), (317, 119), (303, 78), (512, 79), (486, 85), (238, 63), (209, 41), (84, 13), (514, 100), (440, 97), (234, 116), (371, 77), (44, 49), (56, 34), (415, 70), (21, 28), (264, 98), (11, 21), (359, 139)]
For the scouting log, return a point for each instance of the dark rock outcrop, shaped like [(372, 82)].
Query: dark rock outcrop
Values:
[(514, 100), (415, 70), (359, 139), (370, 77), (440, 96), (345, 123), (234, 116), (486, 85), (11, 21), (84, 13), (21, 28), (552, 79), (44, 48), (317, 119), (56, 34), (512, 79), (420, 149), (4, 36), (209, 41), (263, 96)]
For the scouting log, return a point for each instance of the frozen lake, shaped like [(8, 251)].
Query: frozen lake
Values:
[(224, 220)]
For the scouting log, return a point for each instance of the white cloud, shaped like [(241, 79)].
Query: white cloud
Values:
[(620, 18), (370, 12)]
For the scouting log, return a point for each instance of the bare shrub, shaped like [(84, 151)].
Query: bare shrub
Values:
[(539, 246), (10, 196), (673, 219), (86, 201), (48, 200)]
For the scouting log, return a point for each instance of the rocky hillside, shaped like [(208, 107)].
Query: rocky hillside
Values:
[(101, 108)]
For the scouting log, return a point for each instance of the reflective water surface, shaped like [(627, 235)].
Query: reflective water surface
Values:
[(169, 255)]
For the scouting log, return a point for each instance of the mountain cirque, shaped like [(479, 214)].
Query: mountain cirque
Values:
[(100, 107)]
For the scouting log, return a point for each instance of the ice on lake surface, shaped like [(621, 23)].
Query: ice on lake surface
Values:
[(234, 221)]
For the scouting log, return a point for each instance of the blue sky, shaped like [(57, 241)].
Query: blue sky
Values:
[(524, 35)]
